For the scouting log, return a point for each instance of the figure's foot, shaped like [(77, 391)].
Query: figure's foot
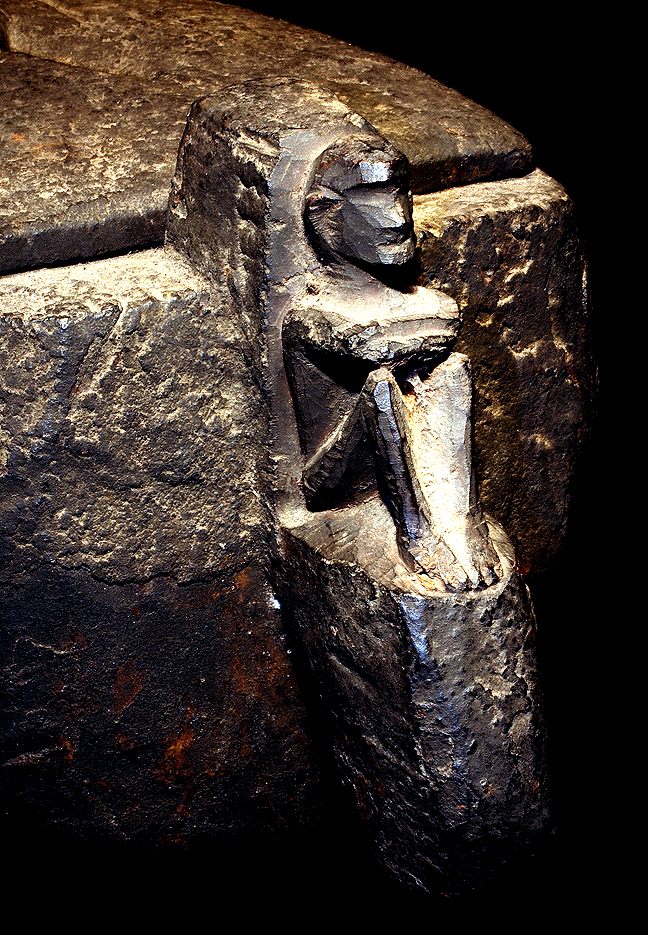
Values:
[(464, 559), (478, 552), (423, 554)]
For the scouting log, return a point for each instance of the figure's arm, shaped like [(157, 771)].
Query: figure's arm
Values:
[(422, 437), (416, 326)]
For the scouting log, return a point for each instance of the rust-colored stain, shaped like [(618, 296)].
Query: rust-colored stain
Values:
[(184, 808), (245, 746), (244, 677), (176, 750), (258, 667), (129, 683), (260, 674), (57, 148), (125, 743), (68, 746), (243, 581), (175, 754)]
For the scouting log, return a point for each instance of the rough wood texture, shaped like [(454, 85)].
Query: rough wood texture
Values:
[(509, 253), (433, 710), (108, 167), (85, 161), (149, 692)]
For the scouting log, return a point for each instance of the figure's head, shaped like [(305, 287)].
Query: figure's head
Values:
[(359, 205)]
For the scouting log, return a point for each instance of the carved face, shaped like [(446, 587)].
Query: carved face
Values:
[(360, 206)]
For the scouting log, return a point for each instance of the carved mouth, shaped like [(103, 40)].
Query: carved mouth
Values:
[(396, 235), (396, 251)]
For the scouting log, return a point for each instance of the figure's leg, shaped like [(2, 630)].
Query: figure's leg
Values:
[(380, 398), (423, 440), (325, 470), (439, 430)]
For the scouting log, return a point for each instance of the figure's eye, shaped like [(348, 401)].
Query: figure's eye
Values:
[(374, 195), (367, 188)]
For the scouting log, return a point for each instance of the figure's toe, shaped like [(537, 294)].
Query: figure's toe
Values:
[(487, 574), (478, 567)]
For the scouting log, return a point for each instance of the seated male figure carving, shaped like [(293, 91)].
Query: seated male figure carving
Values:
[(374, 384), (413, 621)]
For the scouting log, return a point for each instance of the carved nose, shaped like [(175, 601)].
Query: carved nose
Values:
[(396, 215), (399, 213)]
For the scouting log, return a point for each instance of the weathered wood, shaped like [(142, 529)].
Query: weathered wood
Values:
[(107, 141)]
